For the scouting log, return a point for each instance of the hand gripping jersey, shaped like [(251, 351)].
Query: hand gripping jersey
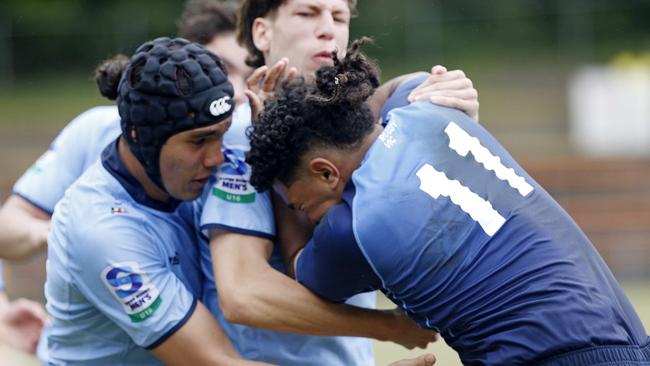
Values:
[(232, 204), (122, 271), (470, 245)]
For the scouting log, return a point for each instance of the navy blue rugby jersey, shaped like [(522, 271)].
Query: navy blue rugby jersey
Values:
[(445, 222)]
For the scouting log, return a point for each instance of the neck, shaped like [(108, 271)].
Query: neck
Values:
[(136, 169)]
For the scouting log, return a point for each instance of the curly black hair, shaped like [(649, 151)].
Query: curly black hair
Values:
[(305, 115)]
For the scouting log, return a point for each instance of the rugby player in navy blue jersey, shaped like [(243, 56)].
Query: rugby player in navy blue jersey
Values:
[(434, 212)]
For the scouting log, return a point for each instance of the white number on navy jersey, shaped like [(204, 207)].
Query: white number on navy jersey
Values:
[(436, 183)]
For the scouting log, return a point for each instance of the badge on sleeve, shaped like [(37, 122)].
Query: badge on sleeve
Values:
[(131, 287), (233, 177)]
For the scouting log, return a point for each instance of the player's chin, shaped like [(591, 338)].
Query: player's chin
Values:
[(189, 194)]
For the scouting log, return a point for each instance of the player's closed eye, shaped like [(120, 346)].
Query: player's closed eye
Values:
[(341, 19)]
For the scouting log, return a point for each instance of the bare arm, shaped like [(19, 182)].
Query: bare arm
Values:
[(198, 342), (251, 292), (23, 229)]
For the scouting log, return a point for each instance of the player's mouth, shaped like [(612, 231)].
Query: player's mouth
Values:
[(200, 182), (323, 57)]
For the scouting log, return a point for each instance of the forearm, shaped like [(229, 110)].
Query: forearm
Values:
[(199, 342), (282, 304), (251, 292), (23, 229)]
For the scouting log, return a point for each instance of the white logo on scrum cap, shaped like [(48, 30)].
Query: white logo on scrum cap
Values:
[(220, 106)]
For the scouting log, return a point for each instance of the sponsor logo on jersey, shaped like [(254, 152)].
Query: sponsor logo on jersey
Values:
[(118, 208), (131, 287), (233, 177), (387, 136)]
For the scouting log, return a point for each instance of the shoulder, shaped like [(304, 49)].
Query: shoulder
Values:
[(83, 138), (336, 226), (96, 208), (332, 264), (102, 122), (99, 117), (399, 97)]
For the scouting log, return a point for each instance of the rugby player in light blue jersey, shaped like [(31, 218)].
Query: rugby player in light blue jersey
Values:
[(435, 213), (25, 217), (118, 289)]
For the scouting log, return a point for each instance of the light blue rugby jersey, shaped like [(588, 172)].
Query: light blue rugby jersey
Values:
[(232, 204), (77, 147), (117, 280)]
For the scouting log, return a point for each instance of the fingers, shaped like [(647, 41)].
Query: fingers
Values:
[(456, 84), (257, 106), (33, 308), (253, 81), (263, 83), (470, 107), (466, 94), (275, 75), (427, 359), (293, 73), (438, 77), (438, 70)]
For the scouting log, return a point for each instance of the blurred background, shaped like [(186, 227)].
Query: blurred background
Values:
[(564, 85)]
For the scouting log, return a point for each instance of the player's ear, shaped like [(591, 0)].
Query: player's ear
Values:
[(325, 171), (262, 34)]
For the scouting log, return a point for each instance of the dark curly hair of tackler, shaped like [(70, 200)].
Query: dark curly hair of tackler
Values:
[(170, 86), (304, 114)]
